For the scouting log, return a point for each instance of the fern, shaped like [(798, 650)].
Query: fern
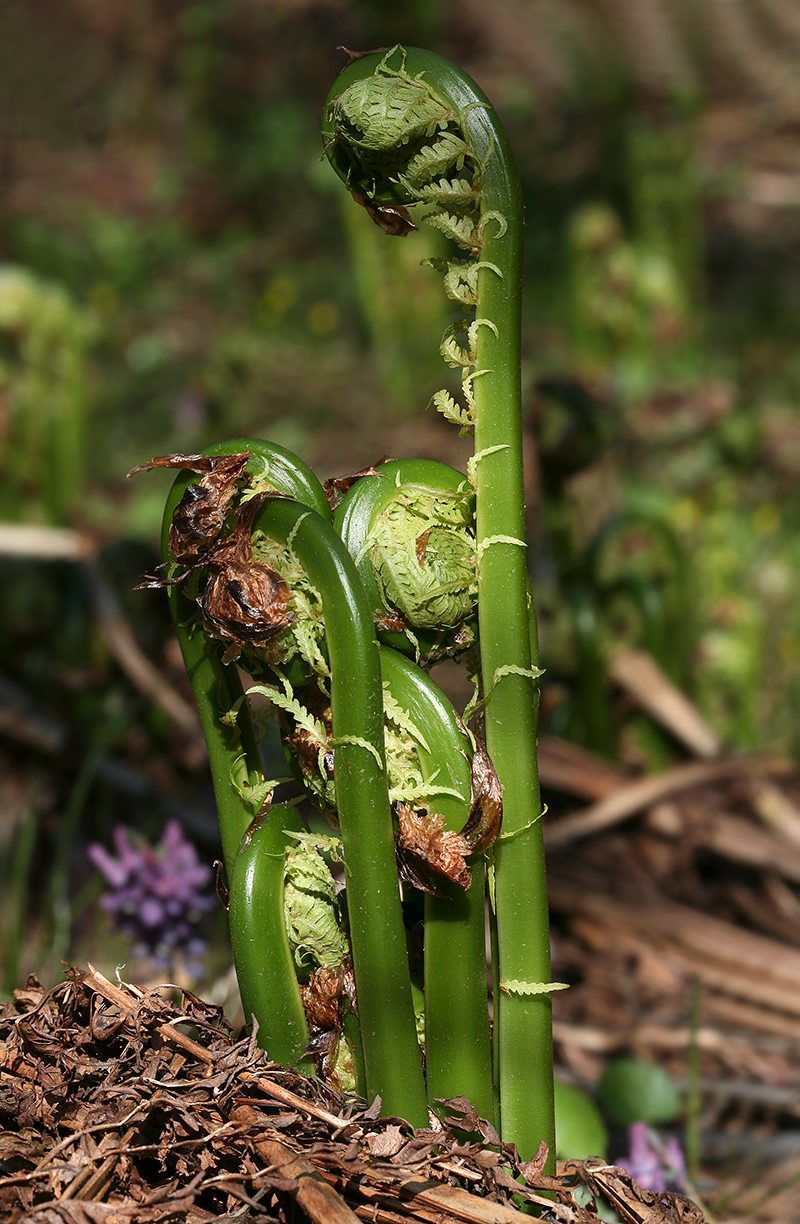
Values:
[(380, 119), (452, 411), (395, 713), (461, 281), (448, 153), (461, 230), (290, 705), (454, 353), (448, 193)]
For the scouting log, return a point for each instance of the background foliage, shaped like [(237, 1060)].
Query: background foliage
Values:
[(178, 266)]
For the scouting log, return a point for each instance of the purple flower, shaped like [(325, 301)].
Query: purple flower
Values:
[(157, 895), (655, 1165)]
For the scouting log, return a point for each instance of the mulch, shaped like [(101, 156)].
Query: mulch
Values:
[(128, 1105)]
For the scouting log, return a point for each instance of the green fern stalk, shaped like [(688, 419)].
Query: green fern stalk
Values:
[(392, 1062), (458, 1058), (408, 127), (261, 953)]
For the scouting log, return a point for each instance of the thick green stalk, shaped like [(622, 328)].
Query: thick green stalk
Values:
[(458, 1054), (261, 952), (382, 140), (523, 1024), (522, 1021), (391, 1054)]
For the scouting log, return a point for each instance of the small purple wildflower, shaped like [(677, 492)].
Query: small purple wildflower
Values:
[(157, 895), (655, 1165)]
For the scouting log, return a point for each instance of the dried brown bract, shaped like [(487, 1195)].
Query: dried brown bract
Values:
[(486, 810), (391, 624), (422, 546), (393, 219), (426, 850), (337, 486), (247, 602), (323, 998), (244, 601), (200, 514)]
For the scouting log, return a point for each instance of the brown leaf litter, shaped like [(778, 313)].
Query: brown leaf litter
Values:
[(126, 1105), (676, 921)]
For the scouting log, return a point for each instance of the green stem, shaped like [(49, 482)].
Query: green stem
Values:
[(378, 137), (458, 1050), (458, 1055), (261, 952), (523, 1023), (391, 1054)]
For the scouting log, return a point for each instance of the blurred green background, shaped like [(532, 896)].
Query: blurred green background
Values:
[(178, 265)]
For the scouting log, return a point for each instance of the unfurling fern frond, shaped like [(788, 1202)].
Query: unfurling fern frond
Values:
[(456, 354), (461, 281), (467, 379), (446, 154), (461, 230), (447, 193), (452, 411), (380, 116)]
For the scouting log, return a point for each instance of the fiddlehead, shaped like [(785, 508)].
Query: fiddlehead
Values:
[(410, 128), (409, 525), (394, 125)]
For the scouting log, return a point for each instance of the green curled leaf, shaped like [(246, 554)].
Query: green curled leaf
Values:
[(311, 909), (261, 949), (409, 527), (423, 551), (382, 124)]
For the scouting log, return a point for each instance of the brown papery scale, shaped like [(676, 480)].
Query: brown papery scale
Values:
[(336, 486), (323, 1002), (425, 850), (486, 809), (200, 515), (244, 601), (393, 219)]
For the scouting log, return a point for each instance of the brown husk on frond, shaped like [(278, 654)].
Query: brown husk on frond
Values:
[(200, 515), (425, 850), (486, 809), (244, 601)]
